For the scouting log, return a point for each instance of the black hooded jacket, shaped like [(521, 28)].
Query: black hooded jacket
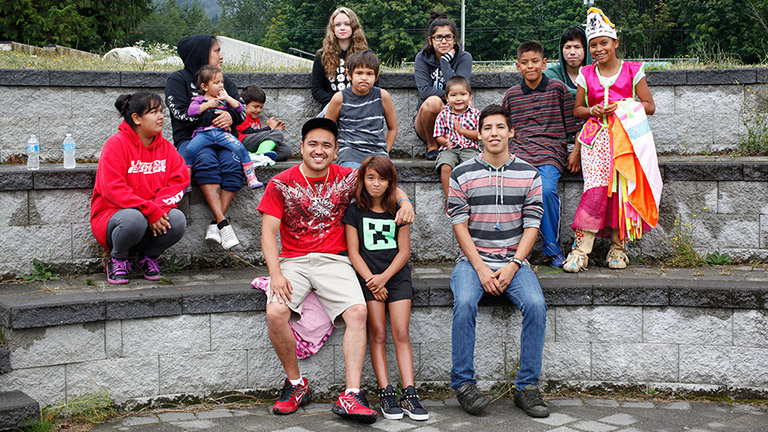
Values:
[(179, 89)]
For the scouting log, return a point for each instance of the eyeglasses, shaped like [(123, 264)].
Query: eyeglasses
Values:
[(446, 37)]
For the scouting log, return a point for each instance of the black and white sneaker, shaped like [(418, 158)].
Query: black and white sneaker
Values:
[(388, 401), (409, 402)]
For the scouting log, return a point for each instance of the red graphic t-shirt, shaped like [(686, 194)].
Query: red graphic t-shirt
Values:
[(310, 214), (248, 122)]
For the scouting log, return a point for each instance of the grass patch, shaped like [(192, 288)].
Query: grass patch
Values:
[(95, 408), (45, 423), (755, 119), (174, 264), (41, 272), (716, 258), (20, 60), (681, 241)]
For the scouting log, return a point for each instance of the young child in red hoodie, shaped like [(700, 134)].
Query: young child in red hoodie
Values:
[(139, 181)]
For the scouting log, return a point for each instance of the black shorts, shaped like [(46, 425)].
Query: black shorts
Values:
[(395, 292)]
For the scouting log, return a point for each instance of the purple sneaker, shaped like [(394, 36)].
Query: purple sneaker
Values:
[(117, 270), (150, 268)]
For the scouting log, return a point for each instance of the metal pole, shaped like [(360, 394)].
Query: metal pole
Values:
[(463, 24)]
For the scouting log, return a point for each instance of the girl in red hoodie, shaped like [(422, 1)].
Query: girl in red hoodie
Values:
[(140, 179)]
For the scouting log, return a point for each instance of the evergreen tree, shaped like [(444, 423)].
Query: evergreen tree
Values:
[(170, 21), (87, 25)]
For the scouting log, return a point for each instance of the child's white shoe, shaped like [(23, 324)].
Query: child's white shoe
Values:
[(228, 237), (212, 234)]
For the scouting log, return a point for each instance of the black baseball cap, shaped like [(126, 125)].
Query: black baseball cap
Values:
[(320, 123)]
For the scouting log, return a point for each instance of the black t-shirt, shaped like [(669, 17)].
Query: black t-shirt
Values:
[(377, 238)]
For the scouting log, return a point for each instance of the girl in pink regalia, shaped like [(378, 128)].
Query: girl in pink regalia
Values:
[(622, 184)]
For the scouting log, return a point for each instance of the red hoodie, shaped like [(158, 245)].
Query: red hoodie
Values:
[(150, 179)]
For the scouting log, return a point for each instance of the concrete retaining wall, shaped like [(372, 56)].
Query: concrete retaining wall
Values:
[(161, 343), (45, 215), (53, 103)]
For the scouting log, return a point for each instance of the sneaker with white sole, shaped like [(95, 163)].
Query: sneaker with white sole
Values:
[(388, 401), (212, 234), (409, 402), (228, 237)]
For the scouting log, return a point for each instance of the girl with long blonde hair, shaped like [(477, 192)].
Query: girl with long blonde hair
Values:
[(343, 36)]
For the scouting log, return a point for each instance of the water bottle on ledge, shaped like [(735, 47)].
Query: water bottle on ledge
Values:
[(69, 151), (33, 153)]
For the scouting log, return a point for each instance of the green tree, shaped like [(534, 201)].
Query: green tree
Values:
[(645, 27), (169, 21), (723, 25), (495, 28), (395, 29), (245, 20), (88, 25), (298, 24)]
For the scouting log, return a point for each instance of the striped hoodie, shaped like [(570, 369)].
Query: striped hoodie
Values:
[(499, 204)]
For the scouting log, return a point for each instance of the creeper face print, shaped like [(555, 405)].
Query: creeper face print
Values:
[(379, 234)]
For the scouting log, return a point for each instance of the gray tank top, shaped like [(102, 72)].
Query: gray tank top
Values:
[(362, 128)]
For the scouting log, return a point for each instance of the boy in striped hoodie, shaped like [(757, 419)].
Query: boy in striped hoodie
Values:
[(495, 206)]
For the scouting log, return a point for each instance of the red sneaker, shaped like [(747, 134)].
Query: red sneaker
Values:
[(354, 406), (292, 397)]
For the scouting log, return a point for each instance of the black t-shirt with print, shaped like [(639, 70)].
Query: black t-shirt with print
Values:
[(377, 238)]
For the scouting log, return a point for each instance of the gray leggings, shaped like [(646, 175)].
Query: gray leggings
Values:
[(128, 231)]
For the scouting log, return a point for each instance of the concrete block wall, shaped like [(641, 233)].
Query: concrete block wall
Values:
[(690, 349), (46, 214), (53, 103)]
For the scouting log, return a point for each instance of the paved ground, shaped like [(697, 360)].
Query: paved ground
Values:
[(588, 414)]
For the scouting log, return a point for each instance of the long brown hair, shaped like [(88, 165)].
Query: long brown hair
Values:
[(331, 48), (383, 167)]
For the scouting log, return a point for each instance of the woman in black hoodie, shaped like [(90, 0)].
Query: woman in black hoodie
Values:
[(217, 171)]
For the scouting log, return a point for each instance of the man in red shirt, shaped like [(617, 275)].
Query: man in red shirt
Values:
[(305, 205)]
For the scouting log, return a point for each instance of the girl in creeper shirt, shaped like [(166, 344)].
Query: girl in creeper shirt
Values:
[(379, 251)]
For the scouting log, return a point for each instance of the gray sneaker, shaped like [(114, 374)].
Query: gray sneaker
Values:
[(529, 400), (471, 399)]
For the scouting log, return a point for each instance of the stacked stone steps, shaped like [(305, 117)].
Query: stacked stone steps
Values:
[(16, 409), (693, 331)]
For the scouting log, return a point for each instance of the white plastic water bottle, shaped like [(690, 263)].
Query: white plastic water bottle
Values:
[(33, 153), (69, 151)]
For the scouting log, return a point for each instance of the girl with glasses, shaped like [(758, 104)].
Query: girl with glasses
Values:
[(439, 60)]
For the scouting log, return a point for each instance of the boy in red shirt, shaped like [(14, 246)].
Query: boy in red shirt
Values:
[(268, 140)]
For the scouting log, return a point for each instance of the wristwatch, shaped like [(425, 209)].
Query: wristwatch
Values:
[(517, 261)]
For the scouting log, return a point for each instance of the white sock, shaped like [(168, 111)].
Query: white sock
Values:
[(298, 381), (352, 390)]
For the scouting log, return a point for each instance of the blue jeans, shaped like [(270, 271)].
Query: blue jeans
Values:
[(214, 137), (550, 220), (524, 291), (216, 165), (350, 164)]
